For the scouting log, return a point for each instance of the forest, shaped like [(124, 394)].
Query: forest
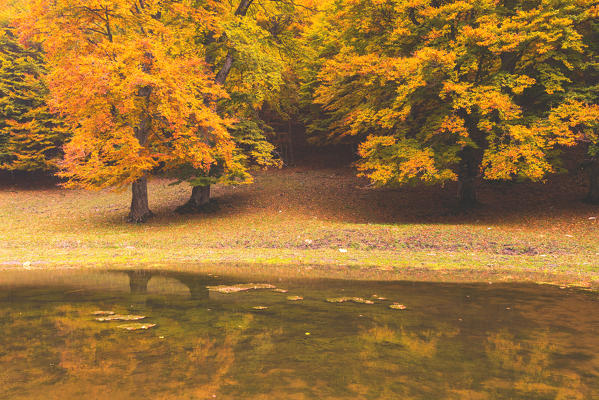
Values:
[(180, 99)]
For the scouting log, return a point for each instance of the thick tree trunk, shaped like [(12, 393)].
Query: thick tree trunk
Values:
[(593, 193), (200, 197), (140, 211), (467, 174)]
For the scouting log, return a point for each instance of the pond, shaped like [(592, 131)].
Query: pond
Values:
[(291, 338)]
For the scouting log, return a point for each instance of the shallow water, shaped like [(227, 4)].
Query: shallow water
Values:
[(454, 341)]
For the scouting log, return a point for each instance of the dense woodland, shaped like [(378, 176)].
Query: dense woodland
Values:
[(106, 94)]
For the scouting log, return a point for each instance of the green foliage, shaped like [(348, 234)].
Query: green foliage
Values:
[(261, 45), (252, 150), (253, 146), (31, 136), (258, 64)]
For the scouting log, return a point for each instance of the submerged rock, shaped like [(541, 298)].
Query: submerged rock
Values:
[(103, 313), (136, 326), (280, 290), (358, 300), (240, 287), (294, 298), (397, 306), (119, 317)]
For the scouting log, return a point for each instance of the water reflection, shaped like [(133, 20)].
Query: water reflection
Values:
[(196, 284), (454, 342)]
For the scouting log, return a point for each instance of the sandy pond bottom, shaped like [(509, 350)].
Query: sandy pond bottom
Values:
[(281, 339)]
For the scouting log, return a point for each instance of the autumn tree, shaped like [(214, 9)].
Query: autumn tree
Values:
[(134, 88), (249, 51), (585, 91), (450, 90), (31, 137)]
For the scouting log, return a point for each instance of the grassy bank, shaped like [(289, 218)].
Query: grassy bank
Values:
[(300, 217)]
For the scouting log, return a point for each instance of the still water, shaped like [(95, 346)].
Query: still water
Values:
[(453, 341)]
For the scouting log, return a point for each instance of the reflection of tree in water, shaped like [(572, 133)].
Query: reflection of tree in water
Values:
[(97, 361), (139, 279), (416, 365), (401, 360), (220, 346), (59, 344), (525, 368), (26, 358)]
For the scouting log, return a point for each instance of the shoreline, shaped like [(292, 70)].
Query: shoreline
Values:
[(315, 220), (260, 270)]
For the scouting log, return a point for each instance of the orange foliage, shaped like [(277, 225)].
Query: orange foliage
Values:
[(132, 85)]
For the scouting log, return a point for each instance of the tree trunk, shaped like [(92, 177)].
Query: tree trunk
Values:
[(467, 174), (221, 76), (593, 194), (200, 197), (140, 211)]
